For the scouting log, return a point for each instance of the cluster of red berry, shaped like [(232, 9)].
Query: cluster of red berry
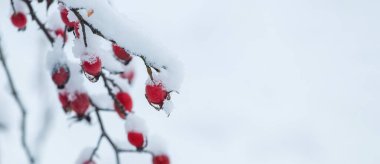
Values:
[(79, 101)]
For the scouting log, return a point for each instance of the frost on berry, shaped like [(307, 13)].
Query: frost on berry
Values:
[(60, 75), (19, 20), (125, 101), (121, 54), (80, 102), (155, 93), (92, 66), (65, 18), (136, 130)]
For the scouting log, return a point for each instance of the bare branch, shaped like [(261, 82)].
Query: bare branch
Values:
[(34, 17), (21, 107)]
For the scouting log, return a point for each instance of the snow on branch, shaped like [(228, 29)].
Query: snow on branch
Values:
[(104, 21)]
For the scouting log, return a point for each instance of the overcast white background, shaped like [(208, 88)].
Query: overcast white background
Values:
[(266, 82)]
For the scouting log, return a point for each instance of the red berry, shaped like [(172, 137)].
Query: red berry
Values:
[(121, 54), (155, 94), (92, 66), (65, 19), (136, 139), (76, 30), (60, 32), (161, 159), (89, 162), (80, 104), (60, 75), (126, 101), (19, 20), (128, 75), (64, 99)]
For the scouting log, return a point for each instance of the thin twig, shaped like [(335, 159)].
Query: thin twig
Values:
[(97, 147), (21, 107), (105, 134), (34, 17), (13, 6), (109, 90)]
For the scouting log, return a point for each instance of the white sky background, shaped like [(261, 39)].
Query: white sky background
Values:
[(268, 82)]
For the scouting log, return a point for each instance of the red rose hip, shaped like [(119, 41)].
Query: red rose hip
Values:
[(64, 99), (126, 101), (60, 75), (92, 65), (161, 159), (19, 20), (121, 54), (136, 139), (80, 104), (65, 19), (155, 94)]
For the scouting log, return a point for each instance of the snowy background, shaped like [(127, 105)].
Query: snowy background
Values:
[(268, 82)]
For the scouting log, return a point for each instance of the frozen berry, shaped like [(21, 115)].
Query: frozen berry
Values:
[(92, 65), (80, 104), (161, 159), (126, 101), (121, 54), (64, 99), (65, 19), (155, 94), (136, 139), (60, 75), (19, 20)]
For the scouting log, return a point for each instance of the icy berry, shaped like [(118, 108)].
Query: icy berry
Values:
[(126, 101), (130, 75), (136, 139), (80, 104), (61, 33), (155, 94), (65, 19), (121, 54), (19, 20), (60, 75), (64, 99), (161, 159), (92, 65)]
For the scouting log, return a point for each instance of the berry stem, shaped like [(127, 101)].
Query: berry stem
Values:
[(109, 90), (20, 105), (13, 6), (104, 133)]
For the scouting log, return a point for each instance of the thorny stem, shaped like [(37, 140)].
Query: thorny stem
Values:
[(34, 17), (21, 107)]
